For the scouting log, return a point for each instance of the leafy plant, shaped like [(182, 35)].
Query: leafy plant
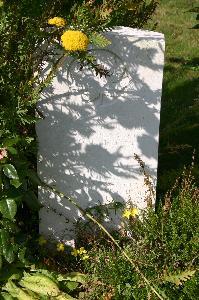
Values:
[(163, 243)]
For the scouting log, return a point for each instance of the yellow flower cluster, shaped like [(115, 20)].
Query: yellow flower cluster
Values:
[(130, 212), (57, 21), (60, 247), (74, 40), (80, 252)]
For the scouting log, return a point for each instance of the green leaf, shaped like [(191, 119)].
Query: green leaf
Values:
[(32, 201), (73, 276), (6, 246), (6, 296), (34, 177), (16, 183), (10, 171), (72, 285), (21, 256), (8, 208), (179, 278), (12, 150), (10, 142), (9, 226), (99, 40)]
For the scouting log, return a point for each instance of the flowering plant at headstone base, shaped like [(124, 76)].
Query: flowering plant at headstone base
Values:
[(67, 28)]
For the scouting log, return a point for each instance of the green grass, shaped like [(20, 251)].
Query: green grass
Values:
[(179, 128)]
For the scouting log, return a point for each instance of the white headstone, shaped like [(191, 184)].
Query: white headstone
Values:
[(93, 126)]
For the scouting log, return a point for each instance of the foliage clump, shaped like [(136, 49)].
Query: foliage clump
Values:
[(163, 243)]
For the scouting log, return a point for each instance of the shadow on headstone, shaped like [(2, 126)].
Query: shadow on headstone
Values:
[(93, 126)]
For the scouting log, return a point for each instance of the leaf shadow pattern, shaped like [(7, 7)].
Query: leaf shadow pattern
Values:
[(93, 126)]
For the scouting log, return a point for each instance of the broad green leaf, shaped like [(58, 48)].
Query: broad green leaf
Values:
[(12, 150), (8, 208), (10, 171), (6, 246), (16, 183), (21, 255), (71, 285), (6, 296)]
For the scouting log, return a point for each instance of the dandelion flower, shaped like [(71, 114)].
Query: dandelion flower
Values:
[(60, 247), (73, 40), (41, 240), (57, 21)]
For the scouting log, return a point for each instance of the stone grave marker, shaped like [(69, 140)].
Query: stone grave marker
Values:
[(93, 126)]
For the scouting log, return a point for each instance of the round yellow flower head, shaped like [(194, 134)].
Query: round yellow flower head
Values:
[(73, 40), (60, 247), (57, 21), (41, 240)]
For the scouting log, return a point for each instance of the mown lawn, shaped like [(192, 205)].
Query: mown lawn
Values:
[(179, 128)]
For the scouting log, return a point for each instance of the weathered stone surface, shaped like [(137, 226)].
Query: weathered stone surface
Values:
[(93, 126)]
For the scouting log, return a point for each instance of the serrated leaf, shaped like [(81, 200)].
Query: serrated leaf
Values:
[(6, 246), (179, 278), (99, 40), (10, 171), (8, 208)]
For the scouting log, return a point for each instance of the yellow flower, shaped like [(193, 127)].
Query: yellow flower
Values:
[(57, 21), (134, 212), (82, 250), (84, 257), (126, 213), (131, 212), (41, 240), (75, 252), (73, 40), (60, 247)]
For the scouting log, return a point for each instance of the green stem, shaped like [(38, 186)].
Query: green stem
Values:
[(89, 216)]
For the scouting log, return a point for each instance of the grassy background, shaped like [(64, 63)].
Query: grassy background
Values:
[(179, 128)]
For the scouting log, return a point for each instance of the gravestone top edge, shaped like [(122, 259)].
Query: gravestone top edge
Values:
[(123, 30)]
